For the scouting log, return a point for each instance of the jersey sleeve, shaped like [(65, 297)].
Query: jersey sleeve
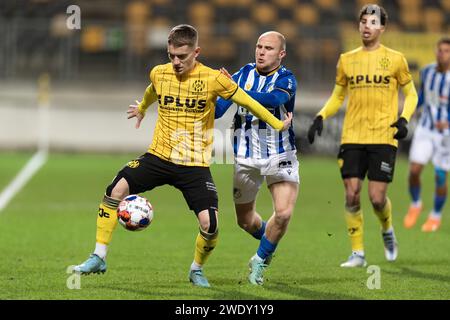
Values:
[(152, 74), (403, 74), (287, 84), (225, 87), (341, 78)]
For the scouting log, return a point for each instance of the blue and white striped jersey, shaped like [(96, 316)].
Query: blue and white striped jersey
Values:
[(434, 97), (276, 91)]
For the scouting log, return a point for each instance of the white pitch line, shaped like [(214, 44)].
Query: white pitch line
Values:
[(33, 165)]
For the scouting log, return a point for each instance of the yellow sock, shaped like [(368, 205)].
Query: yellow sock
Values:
[(355, 225), (385, 215), (204, 245), (106, 219)]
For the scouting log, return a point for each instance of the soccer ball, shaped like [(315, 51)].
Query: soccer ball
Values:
[(135, 213)]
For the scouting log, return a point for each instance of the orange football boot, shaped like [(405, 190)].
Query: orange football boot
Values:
[(432, 224), (411, 217)]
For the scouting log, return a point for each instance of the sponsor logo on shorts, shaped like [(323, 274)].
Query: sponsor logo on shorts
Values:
[(285, 164), (133, 164), (211, 186), (385, 167)]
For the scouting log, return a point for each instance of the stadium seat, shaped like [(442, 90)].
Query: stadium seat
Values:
[(445, 4), (411, 18), (409, 4), (264, 13), (201, 13), (288, 28), (285, 4), (243, 30), (330, 5), (306, 14), (433, 20)]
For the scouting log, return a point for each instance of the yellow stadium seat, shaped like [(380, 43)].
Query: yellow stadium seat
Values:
[(288, 28), (446, 5), (201, 13), (327, 4), (264, 13), (243, 30), (433, 20), (409, 4), (361, 3), (285, 4), (411, 18), (306, 14)]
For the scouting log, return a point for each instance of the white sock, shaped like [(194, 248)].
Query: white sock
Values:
[(195, 266), (100, 250), (435, 215), (258, 258), (417, 203)]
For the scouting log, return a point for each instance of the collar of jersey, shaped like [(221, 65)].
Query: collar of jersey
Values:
[(270, 73)]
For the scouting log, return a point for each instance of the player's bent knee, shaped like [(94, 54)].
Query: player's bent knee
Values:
[(210, 225), (378, 203), (118, 189), (282, 217)]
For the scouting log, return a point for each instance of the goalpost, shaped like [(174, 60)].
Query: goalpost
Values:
[(40, 157)]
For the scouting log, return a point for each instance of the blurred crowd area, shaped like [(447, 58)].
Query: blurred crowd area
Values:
[(121, 40)]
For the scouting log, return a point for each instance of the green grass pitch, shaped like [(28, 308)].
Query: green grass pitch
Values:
[(50, 225)]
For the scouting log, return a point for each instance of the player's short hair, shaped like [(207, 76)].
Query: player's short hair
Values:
[(374, 9), (183, 35), (442, 40)]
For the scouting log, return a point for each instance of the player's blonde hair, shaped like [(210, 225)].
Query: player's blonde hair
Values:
[(183, 35)]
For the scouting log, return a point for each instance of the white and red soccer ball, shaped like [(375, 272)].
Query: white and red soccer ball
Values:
[(135, 213)]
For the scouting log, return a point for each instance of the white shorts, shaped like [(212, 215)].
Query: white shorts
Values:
[(428, 145), (249, 174)]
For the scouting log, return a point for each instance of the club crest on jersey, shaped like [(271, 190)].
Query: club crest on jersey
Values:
[(133, 164), (248, 86), (384, 63), (198, 85)]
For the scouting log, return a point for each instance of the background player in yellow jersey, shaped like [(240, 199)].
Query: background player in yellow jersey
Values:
[(179, 155), (370, 75)]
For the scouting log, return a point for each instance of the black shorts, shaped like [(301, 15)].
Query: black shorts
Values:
[(375, 160), (196, 183)]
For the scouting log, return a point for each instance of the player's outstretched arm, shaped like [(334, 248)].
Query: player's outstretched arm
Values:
[(331, 107), (138, 110), (241, 98), (133, 112)]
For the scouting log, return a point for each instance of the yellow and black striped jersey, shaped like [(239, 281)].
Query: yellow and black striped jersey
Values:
[(186, 105), (372, 79)]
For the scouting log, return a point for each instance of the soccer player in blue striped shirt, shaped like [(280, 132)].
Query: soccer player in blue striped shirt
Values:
[(431, 139), (262, 153)]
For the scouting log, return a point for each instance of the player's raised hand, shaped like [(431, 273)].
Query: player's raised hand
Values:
[(225, 72), (133, 112), (402, 129), (287, 121), (317, 126)]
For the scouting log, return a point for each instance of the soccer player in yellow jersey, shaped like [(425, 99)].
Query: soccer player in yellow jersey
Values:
[(371, 76), (179, 155)]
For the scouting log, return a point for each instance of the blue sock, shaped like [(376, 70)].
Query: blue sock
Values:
[(414, 191), (266, 248), (259, 233), (439, 202)]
